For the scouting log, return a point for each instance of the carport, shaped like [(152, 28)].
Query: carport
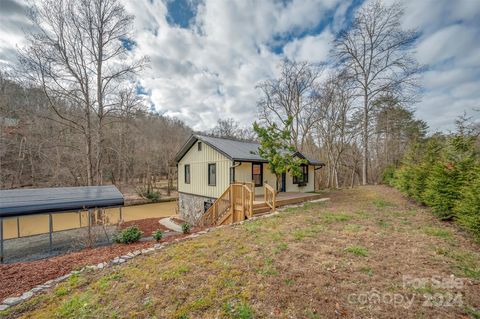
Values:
[(22, 202)]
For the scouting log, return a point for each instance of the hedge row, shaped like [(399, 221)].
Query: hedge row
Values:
[(443, 172)]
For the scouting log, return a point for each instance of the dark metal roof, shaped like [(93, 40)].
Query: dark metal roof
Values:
[(17, 202), (233, 149)]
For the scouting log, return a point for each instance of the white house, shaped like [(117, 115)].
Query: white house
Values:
[(208, 165)]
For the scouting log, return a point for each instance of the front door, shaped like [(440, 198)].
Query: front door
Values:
[(284, 182)]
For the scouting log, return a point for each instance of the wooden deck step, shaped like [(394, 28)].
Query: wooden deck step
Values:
[(261, 210)]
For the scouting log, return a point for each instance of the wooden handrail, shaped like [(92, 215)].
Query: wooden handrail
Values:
[(270, 196), (236, 195)]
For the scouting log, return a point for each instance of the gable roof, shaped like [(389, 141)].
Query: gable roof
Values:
[(235, 150)]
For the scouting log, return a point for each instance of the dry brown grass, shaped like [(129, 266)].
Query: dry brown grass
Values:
[(305, 262)]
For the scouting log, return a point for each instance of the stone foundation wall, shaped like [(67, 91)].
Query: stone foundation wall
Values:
[(191, 207)]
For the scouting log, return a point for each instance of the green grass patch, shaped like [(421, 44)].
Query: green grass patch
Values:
[(61, 291), (352, 228), (367, 270), (239, 310), (357, 250), (176, 272), (335, 217), (381, 203), (268, 268), (466, 262), (383, 223), (472, 312), (289, 282), (280, 247), (78, 306), (438, 232), (302, 233)]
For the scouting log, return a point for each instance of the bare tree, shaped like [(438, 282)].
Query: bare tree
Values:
[(78, 54), (230, 128), (334, 128), (377, 54), (291, 96)]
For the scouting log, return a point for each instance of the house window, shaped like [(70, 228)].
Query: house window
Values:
[(257, 174), (199, 146), (212, 174), (302, 179), (187, 174)]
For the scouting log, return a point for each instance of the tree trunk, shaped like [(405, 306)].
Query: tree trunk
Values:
[(365, 141)]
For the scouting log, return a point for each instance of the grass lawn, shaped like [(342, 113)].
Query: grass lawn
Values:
[(368, 252)]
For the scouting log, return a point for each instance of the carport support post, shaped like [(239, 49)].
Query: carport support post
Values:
[(1, 240), (50, 230), (121, 215), (90, 227)]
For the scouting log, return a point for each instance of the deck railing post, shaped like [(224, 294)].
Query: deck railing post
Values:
[(243, 203), (1, 240), (50, 230), (18, 227), (90, 227)]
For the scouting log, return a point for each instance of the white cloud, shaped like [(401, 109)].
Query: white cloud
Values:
[(310, 48), (209, 70)]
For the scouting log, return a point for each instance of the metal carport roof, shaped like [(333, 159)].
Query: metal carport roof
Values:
[(18, 202)]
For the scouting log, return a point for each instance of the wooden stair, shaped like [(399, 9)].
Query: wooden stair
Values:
[(261, 208)]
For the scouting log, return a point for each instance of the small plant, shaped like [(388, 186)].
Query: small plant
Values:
[(128, 235), (157, 235), (357, 250), (239, 311), (186, 228), (148, 194)]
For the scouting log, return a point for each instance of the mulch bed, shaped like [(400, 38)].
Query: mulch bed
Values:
[(147, 226), (17, 278)]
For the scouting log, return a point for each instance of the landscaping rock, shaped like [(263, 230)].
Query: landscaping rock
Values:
[(62, 278), (126, 257), (4, 307), (27, 295), (37, 288), (158, 246), (137, 252), (12, 301), (148, 250), (100, 265), (118, 260)]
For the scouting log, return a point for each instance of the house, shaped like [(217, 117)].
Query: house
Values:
[(208, 166)]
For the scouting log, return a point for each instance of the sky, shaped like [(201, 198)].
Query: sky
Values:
[(206, 57)]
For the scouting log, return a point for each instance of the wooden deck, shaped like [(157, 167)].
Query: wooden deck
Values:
[(238, 203), (282, 199)]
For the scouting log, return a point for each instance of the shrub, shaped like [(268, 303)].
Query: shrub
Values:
[(467, 209), (148, 194), (128, 235), (451, 173), (388, 176), (157, 235), (186, 228), (443, 172)]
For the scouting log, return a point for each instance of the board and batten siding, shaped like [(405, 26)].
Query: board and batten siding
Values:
[(310, 187), (243, 173), (199, 161)]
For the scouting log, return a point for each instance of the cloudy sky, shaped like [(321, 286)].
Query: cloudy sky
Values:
[(207, 56)]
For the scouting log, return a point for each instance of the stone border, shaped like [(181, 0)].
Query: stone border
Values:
[(13, 301)]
